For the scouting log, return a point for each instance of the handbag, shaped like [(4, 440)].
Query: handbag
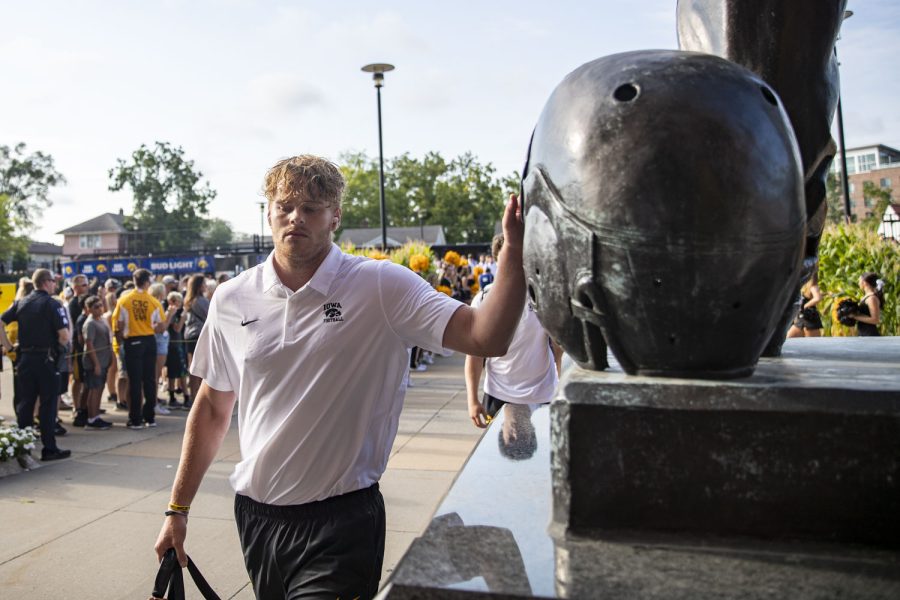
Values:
[(170, 576)]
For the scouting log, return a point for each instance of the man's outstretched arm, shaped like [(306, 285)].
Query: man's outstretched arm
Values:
[(206, 427), (488, 329)]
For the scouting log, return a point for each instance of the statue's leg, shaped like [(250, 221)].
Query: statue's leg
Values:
[(790, 45)]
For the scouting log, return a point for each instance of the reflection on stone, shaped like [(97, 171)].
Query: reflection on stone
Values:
[(453, 552), (516, 436)]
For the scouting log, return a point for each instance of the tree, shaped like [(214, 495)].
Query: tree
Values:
[(26, 180), (463, 195), (834, 198), (170, 203), (880, 198), (10, 242), (217, 233)]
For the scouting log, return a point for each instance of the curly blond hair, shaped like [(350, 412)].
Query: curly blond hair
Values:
[(307, 175)]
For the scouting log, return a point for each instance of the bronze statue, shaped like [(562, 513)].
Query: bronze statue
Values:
[(790, 45), (664, 214)]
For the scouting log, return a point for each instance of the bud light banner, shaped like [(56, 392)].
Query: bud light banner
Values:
[(123, 268), (180, 265), (91, 268)]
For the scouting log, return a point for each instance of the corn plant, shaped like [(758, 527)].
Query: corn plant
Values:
[(846, 252)]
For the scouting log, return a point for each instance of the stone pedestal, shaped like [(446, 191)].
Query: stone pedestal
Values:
[(806, 448), (780, 485)]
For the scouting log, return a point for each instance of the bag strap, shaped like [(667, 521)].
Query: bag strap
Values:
[(170, 575), (200, 582)]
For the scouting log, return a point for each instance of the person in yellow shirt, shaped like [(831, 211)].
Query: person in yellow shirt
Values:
[(138, 316)]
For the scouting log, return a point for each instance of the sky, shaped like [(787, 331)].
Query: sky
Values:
[(240, 84)]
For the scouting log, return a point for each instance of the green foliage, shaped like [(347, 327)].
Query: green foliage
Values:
[(463, 195), (882, 199), (170, 203), (846, 252), (26, 179), (834, 198), (10, 242), (217, 233)]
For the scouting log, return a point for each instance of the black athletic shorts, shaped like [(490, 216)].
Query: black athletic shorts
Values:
[(333, 548)]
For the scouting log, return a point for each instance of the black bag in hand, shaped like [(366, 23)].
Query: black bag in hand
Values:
[(170, 576)]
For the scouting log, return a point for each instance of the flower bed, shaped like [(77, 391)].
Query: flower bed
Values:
[(15, 442)]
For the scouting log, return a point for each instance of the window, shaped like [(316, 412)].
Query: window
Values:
[(89, 241), (852, 187), (885, 182), (851, 165), (869, 202), (866, 162)]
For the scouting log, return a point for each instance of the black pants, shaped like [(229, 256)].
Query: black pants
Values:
[(37, 378), (328, 549), (140, 363), (492, 404)]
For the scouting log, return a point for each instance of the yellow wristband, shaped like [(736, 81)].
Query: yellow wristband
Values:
[(178, 507)]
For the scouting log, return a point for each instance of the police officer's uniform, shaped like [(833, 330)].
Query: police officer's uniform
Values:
[(39, 317)]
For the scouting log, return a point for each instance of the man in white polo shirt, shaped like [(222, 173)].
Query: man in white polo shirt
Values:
[(526, 375), (313, 346)]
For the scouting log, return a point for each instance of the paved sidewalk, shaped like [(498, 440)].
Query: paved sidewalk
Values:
[(85, 527)]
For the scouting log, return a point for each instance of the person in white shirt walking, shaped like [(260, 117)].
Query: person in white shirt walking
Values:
[(312, 345), (527, 374)]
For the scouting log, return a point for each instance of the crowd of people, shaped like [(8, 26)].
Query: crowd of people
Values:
[(70, 340), (276, 342)]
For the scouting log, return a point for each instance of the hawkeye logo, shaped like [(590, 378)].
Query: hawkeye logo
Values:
[(333, 312)]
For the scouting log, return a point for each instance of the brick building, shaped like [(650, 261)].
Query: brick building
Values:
[(877, 164)]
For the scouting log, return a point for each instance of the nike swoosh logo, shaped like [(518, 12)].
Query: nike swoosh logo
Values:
[(245, 323)]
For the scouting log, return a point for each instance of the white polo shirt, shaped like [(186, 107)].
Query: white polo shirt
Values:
[(526, 374), (319, 373)]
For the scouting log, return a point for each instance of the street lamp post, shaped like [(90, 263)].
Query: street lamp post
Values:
[(845, 178), (262, 225), (378, 70)]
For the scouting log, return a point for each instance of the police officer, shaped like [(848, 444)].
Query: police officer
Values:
[(43, 326)]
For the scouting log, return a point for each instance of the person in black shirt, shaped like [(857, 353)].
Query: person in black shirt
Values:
[(43, 327), (80, 287)]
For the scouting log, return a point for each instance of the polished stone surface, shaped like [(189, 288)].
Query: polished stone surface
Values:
[(491, 537)]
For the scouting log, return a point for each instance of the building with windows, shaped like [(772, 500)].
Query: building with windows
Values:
[(101, 235), (867, 158), (877, 164)]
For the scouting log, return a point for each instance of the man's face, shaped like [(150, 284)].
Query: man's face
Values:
[(301, 226), (80, 286), (96, 310)]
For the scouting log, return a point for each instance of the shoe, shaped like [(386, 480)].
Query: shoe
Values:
[(134, 424), (59, 431), (55, 454), (66, 400), (121, 406), (102, 411), (98, 424), (162, 410), (422, 367), (113, 398), (80, 419), (150, 424), (175, 404), (187, 405)]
